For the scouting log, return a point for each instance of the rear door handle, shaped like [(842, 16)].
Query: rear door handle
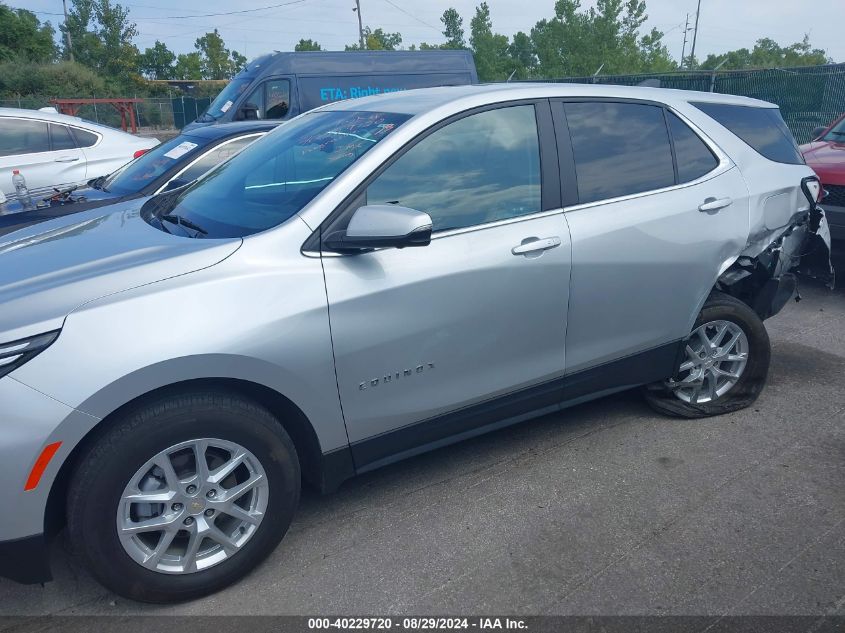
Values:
[(535, 244), (713, 205), (66, 159)]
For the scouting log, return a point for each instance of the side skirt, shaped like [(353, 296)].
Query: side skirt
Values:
[(658, 363)]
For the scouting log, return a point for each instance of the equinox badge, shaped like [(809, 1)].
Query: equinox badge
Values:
[(388, 378)]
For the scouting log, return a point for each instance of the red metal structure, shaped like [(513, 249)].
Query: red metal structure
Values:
[(126, 107)]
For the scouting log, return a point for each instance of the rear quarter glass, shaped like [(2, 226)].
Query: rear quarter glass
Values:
[(762, 129)]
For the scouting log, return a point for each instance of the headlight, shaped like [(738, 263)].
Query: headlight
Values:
[(15, 354)]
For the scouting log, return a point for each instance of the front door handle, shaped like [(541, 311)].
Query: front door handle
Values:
[(711, 205), (535, 244), (66, 159)]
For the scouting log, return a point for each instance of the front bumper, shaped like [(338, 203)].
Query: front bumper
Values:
[(30, 420), (25, 560)]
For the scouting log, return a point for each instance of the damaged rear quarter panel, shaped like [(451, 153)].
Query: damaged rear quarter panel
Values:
[(780, 227)]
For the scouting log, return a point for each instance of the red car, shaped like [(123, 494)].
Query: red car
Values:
[(826, 155)]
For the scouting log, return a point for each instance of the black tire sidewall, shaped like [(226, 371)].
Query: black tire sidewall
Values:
[(753, 378), (99, 483), (721, 307)]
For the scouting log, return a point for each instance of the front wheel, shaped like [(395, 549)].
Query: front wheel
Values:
[(724, 366), (184, 496)]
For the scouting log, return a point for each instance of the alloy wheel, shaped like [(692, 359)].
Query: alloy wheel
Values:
[(716, 356), (192, 506)]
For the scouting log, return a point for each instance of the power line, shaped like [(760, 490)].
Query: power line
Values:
[(213, 15), (202, 15), (411, 15), (695, 34)]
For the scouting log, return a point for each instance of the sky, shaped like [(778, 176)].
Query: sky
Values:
[(723, 24)]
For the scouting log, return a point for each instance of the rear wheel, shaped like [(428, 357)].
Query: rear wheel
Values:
[(183, 497), (725, 363)]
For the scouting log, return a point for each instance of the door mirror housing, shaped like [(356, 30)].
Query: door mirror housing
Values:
[(817, 132), (382, 226), (248, 112)]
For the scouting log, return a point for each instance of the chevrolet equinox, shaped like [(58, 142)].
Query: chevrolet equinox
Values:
[(373, 279)]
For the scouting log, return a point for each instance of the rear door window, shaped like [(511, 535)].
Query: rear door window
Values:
[(84, 138), (761, 128), (693, 156), (619, 149), (23, 136), (61, 137)]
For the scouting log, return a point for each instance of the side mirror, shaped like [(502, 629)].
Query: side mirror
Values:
[(248, 111), (817, 132), (382, 226)]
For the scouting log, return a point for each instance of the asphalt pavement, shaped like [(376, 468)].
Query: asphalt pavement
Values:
[(606, 509)]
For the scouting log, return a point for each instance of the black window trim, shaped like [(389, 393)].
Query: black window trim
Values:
[(569, 175), (550, 198)]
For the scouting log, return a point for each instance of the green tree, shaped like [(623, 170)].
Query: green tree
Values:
[(158, 62), (188, 66), (63, 79), (102, 37), (307, 45), (238, 62), (378, 40), (769, 54), (22, 36), (492, 59), (522, 56), (453, 29), (576, 42), (217, 62)]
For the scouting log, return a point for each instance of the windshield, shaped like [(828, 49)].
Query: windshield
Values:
[(137, 174), (228, 97), (275, 177), (836, 133)]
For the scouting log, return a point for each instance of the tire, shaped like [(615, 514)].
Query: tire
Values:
[(244, 436), (719, 308)]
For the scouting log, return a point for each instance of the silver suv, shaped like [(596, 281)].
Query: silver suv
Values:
[(375, 279)]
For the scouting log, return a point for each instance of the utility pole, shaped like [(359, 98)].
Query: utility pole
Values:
[(695, 33), (357, 9), (684, 48), (67, 32)]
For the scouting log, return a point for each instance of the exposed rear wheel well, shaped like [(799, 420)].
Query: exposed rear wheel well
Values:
[(286, 412), (759, 282)]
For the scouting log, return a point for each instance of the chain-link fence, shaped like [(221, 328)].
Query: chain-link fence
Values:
[(152, 114), (808, 96)]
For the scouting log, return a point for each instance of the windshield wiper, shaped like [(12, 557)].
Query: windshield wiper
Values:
[(98, 183), (183, 222)]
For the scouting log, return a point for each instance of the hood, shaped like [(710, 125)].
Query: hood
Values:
[(824, 153), (13, 216), (50, 269), (827, 159)]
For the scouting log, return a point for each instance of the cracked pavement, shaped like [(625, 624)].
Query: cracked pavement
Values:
[(606, 509)]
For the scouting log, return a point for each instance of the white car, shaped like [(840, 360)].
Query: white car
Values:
[(57, 150)]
